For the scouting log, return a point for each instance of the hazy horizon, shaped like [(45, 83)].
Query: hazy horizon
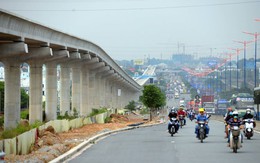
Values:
[(137, 29)]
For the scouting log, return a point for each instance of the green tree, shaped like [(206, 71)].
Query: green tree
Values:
[(153, 98), (130, 106), (24, 99)]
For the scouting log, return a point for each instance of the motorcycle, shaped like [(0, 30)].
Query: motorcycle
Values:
[(181, 118), (235, 139), (192, 116), (173, 123), (201, 130), (249, 128)]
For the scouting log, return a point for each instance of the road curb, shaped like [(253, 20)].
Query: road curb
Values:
[(91, 140)]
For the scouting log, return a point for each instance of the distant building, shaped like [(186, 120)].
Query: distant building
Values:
[(179, 59), (2, 73)]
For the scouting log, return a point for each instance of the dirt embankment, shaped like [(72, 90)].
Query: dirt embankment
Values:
[(51, 144)]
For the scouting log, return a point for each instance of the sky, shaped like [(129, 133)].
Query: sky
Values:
[(138, 29)]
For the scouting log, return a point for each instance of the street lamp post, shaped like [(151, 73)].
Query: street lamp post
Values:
[(237, 53), (230, 79), (225, 77), (256, 35), (245, 44)]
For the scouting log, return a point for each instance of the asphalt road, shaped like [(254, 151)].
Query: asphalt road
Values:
[(155, 145)]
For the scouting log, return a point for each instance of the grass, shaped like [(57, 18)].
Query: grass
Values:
[(21, 128), (97, 111)]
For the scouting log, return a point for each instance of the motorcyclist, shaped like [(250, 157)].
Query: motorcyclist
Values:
[(191, 113), (235, 121), (173, 114), (228, 116), (201, 117), (248, 115), (182, 112), (228, 113)]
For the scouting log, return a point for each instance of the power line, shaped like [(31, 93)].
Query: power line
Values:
[(145, 8)]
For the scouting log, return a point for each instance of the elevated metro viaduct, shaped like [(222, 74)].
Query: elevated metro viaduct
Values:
[(89, 77)]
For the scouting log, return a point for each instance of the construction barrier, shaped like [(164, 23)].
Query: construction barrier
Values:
[(22, 144)]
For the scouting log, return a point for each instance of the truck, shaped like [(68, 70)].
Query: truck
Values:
[(207, 102), (241, 102), (222, 105)]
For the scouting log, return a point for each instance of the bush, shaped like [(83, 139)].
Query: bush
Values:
[(144, 111), (108, 120), (21, 128), (1, 121), (130, 106), (24, 114), (97, 111)]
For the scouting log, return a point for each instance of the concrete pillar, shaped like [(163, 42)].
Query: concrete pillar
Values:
[(107, 93), (103, 93), (92, 90), (12, 106), (115, 101), (35, 101), (65, 89), (84, 85), (98, 91), (51, 91), (76, 87)]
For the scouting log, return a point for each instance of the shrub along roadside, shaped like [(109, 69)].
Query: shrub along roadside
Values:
[(24, 127), (21, 128), (97, 111)]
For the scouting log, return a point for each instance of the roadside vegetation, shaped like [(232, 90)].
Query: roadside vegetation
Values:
[(153, 98)]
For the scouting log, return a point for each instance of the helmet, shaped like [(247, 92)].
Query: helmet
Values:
[(235, 114), (181, 106), (201, 109), (248, 111), (230, 113), (235, 117)]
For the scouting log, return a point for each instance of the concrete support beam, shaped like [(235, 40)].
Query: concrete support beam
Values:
[(92, 90), (84, 56), (38, 53), (51, 91), (35, 102), (96, 65), (74, 55), (58, 55), (76, 71), (84, 85), (13, 49), (102, 92), (102, 70), (12, 94), (65, 89), (108, 73)]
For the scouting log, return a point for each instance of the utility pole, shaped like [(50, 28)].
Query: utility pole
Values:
[(245, 44), (230, 79), (237, 53), (255, 35)]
